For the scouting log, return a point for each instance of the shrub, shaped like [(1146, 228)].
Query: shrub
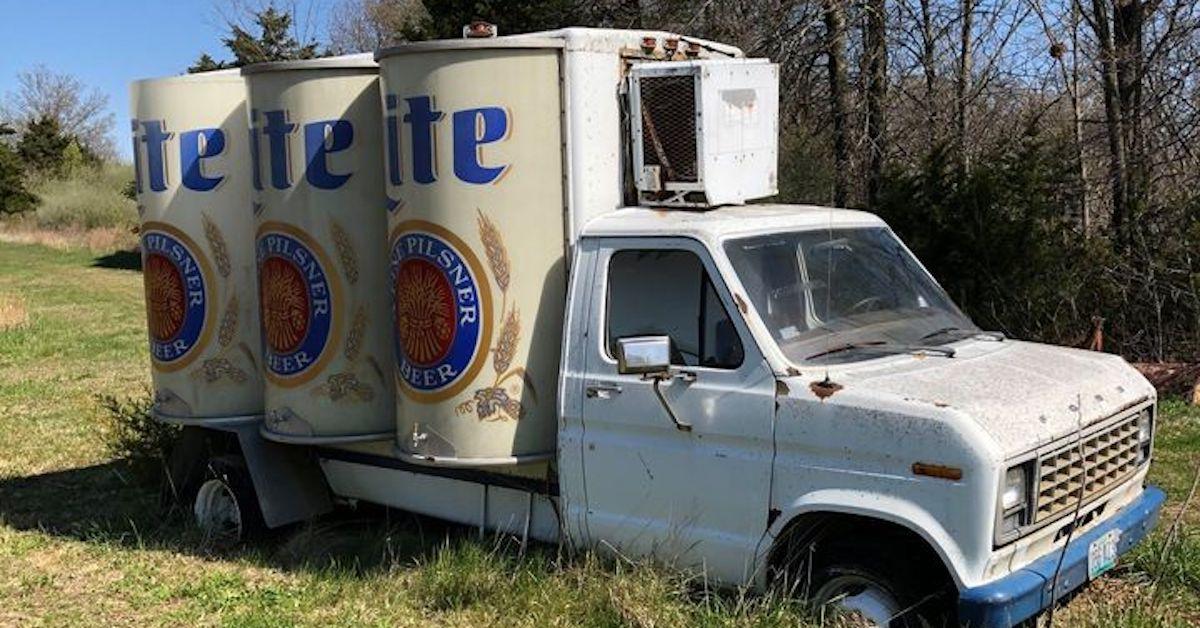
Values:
[(133, 435), (90, 198)]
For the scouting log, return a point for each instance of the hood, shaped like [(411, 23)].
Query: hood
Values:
[(1022, 394)]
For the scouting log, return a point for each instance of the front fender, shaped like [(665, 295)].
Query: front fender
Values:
[(882, 507)]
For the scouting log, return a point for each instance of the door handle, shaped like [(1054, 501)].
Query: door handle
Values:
[(602, 391)]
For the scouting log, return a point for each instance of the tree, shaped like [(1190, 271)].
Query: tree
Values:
[(447, 17), (14, 197), (875, 43), (207, 64), (274, 42), (835, 52), (43, 145), (366, 25), (79, 112)]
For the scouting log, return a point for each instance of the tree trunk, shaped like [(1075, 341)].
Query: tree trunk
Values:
[(928, 53), (1085, 215), (875, 44), (962, 84), (1113, 120), (1128, 19), (835, 51)]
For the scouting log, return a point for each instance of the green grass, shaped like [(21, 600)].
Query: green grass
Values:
[(81, 541), (86, 199)]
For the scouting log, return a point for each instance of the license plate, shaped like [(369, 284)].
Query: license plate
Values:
[(1102, 553)]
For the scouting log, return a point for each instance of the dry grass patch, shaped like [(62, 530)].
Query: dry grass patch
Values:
[(96, 239), (14, 313)]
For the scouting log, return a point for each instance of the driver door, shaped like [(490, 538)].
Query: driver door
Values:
[(689, 498)]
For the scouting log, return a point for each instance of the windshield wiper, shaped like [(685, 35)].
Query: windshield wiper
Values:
[(998, 336), (884, 346)]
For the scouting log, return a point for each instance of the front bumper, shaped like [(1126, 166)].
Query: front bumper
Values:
[(1025, 592)]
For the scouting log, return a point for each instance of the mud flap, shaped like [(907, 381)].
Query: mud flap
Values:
[(287, 478)]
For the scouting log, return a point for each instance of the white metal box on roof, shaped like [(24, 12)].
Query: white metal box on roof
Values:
[(705, 133), (320, 249), (192, 176), (499, 150)]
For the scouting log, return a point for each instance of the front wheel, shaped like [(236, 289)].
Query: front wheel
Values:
[(226, 508), (880, 589)]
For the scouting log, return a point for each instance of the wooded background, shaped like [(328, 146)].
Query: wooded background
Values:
[(1039, 156)]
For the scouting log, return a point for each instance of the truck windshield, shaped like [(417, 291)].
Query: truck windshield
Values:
[(844, 294)]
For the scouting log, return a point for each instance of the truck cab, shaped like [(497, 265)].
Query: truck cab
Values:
[(771, 391)]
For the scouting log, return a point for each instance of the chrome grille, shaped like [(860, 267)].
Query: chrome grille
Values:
[(1109, 456)]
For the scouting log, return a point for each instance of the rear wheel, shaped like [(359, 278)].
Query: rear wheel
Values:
[(225, 507)]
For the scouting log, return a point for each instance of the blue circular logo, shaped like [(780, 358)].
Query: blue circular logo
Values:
[(297, 300), (177, 302), (440, 311)]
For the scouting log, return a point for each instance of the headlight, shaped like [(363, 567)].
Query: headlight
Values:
[(1015, 489), (1145, 434), (1014, 506)]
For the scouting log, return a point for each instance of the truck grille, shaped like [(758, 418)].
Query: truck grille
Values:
[(1110, 456)]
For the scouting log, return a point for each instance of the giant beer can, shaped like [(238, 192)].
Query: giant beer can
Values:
[(192, 176), (476, 246), (320, 247)]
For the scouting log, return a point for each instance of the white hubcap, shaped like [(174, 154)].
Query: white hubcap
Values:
[(217, 512), (860, 596)]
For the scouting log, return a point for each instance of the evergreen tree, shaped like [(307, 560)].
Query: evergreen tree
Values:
[(207, 64), (14, 197), (43, 145), (447, 17), (274, 42)]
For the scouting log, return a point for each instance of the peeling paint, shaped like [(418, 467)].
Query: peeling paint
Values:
[(741, 303), (932, 402), (781, 388), (824, 389), (793, 371)]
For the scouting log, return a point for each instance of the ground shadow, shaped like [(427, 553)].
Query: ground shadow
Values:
[(107, 503), (119, 260)]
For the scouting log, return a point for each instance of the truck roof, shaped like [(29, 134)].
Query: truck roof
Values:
[(716, 224), (573, 39)]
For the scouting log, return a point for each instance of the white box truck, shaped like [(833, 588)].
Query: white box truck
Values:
[(597, 342)]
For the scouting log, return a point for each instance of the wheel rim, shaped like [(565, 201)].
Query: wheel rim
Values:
[(217, 512), (862, 596)]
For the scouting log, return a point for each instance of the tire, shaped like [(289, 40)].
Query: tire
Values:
[(225, 507), (880, 586)]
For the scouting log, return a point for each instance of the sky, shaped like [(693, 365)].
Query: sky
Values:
[(108, 43)]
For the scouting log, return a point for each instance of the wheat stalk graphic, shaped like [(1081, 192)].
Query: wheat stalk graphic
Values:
[(345, 251), (229, 321), (216, 243), (495, 402)]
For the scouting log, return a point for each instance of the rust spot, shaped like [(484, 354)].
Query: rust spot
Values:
[(781, 389), (741, 303), (824, 389), (937, 471)]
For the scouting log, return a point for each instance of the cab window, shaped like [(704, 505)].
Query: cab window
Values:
[(669, 293)]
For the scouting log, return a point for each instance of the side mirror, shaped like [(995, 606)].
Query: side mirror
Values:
[(644, 355)]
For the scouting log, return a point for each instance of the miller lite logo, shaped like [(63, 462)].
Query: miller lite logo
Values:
[(297, 296), (441, 311), (178, 309)]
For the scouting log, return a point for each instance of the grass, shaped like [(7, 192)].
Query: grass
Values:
[(81, 541)]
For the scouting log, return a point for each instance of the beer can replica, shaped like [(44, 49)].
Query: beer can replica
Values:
[(194, 195), (320, 247), (476, 249)]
